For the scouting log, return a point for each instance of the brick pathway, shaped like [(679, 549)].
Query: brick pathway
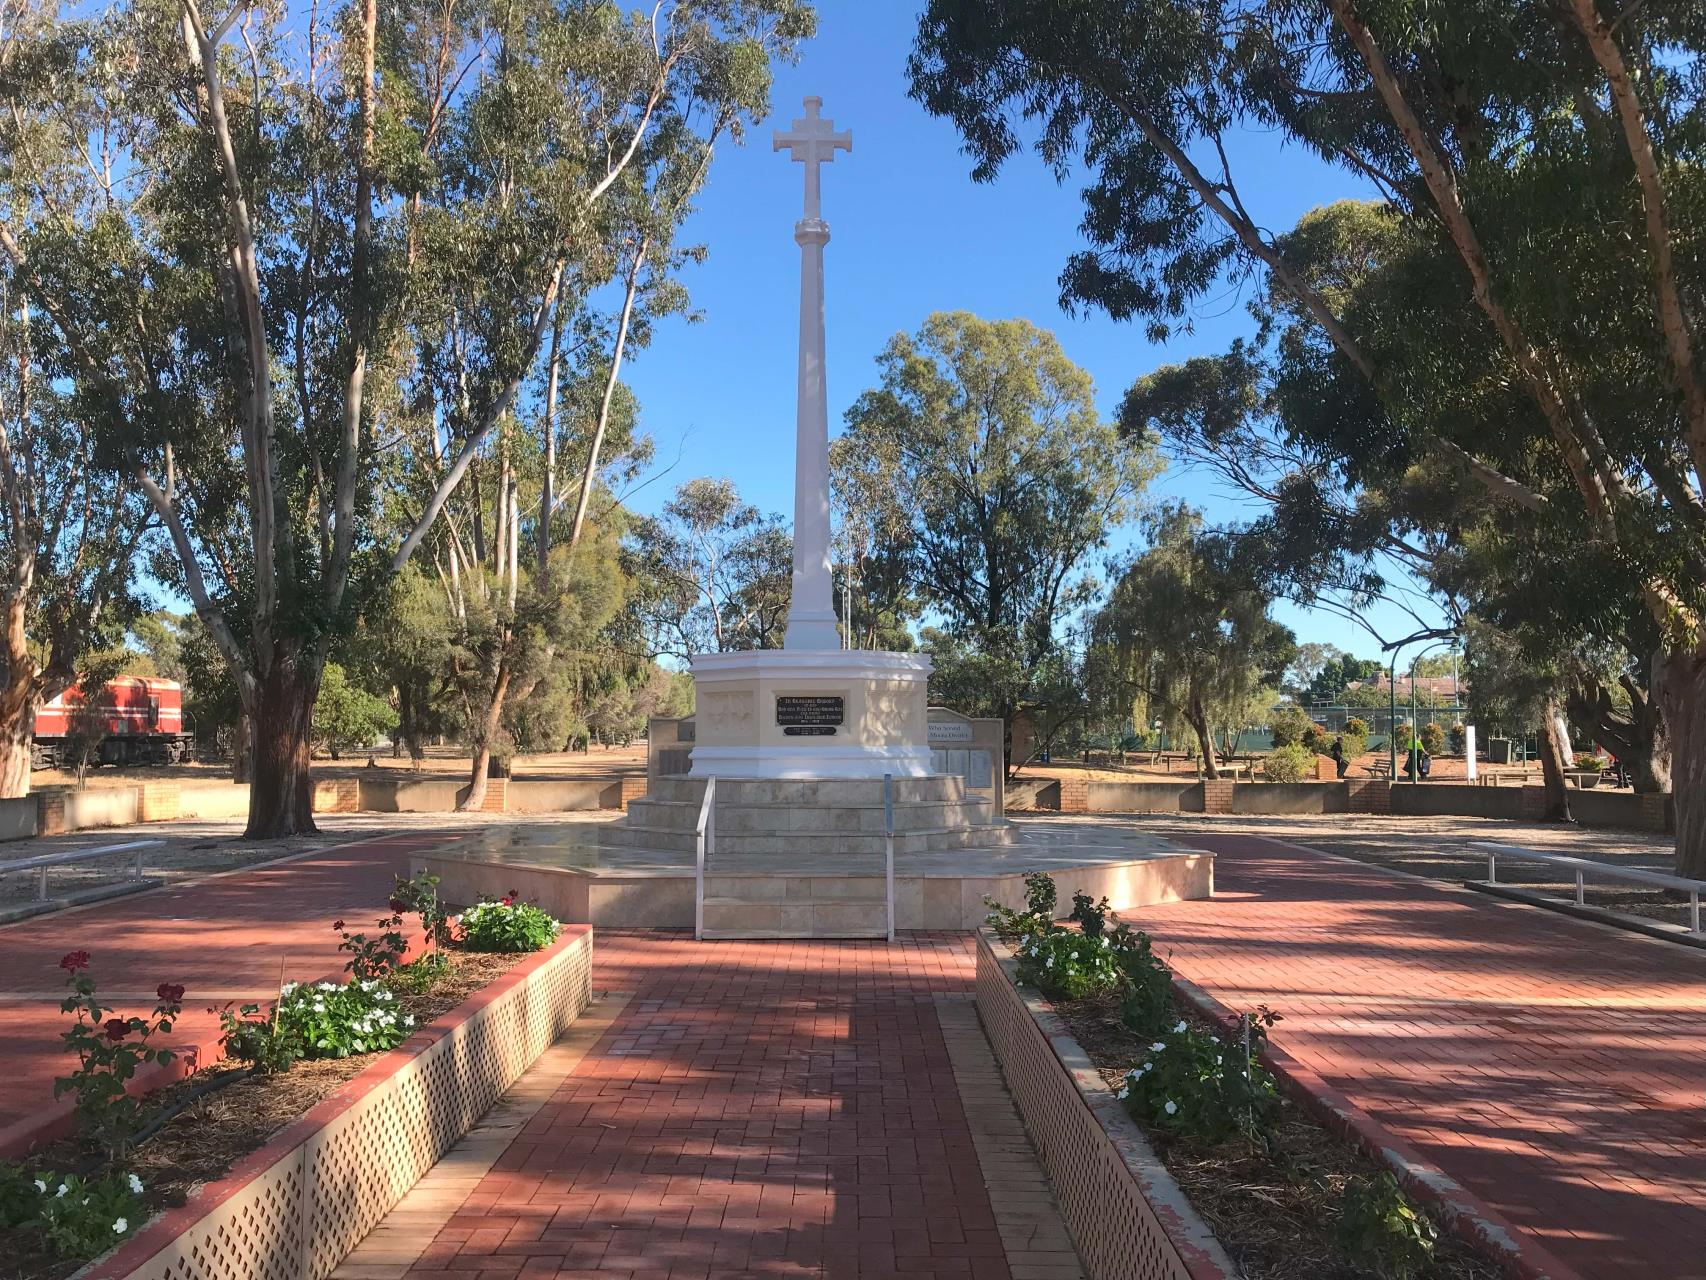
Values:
[(224, 938), (756, 1109), (1555, 1068)]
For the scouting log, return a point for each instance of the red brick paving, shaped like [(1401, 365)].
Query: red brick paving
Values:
[(757, 1109), (224, 938), (1555, 1068)]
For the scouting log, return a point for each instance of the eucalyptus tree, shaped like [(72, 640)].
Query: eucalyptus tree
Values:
[(1539, 160), (1002, 481), (1187, 631), (711, 573), (297, 200), (70, 524)]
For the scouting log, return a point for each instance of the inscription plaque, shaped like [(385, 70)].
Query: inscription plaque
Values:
[(809, 715)]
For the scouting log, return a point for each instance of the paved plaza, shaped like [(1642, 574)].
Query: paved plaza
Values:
[(820, 1108)]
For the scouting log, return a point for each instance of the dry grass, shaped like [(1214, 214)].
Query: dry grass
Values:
[(213, 1132), (1274, 1210)]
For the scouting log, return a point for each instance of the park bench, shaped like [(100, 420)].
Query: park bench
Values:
[(43, 863), (1584, 867), (1379, 769)]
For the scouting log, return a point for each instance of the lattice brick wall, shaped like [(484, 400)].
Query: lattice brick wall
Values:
[(1120, 1235), (353, 1159)]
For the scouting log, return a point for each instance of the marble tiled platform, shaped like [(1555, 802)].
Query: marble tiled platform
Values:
[(577, 873)]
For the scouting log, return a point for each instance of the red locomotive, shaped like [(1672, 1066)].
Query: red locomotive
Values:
[(141, 720)]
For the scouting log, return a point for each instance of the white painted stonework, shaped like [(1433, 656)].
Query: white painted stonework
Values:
[(883, 725)]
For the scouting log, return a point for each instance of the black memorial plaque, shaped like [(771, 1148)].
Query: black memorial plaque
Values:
[(809, 715)]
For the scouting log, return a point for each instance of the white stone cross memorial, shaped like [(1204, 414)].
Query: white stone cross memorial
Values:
[(813, 142)]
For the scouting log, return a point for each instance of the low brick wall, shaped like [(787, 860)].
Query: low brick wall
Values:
[(527, 796), (1128, 1217), (295, 1208), (1289, 797)]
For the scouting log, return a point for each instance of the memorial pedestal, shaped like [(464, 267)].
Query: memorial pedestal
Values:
[(811, 713)]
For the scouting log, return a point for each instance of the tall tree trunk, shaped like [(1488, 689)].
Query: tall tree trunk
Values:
[(490, 724), (1553, 762), (1198, 720), (17, 705), (281, 793), (1639, 739), (242, 762), (1679, 681)]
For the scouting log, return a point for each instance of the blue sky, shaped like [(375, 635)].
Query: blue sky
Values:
[(911, 233)]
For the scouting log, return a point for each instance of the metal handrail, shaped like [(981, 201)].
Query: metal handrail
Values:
[(704, 838), (44, 862), (888, 846), (1584, 866)]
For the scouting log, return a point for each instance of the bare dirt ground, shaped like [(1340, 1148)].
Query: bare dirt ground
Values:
[(440, 762), (1440, 849), (1173, 766)]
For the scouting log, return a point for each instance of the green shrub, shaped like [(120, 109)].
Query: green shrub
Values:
[(79, 1217), (1089, 915), (1356, 727), (1146, 1003), (1354, 745), (1289, 764), (1433, 739), (1381, 1231), (507, 925), (1288, 724), (1197, 1084), (1067, 965), (1458, 738), (1040, 894), (334, 1021), (260, 1040)]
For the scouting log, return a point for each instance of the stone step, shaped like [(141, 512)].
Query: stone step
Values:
[(745, 918), (937, 788), (743, 819)]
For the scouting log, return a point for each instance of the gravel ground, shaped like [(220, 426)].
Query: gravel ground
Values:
[(1439, 848)]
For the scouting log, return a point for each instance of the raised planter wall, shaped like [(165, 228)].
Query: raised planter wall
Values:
[(294, 1209), (1290, 797), (1128, 1217), (18, 818)]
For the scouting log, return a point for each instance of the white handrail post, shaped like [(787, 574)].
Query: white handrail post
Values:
[(888, 846), (1694, 910), (43, 894), (1492, 867), (1580, 900), (704, 833)]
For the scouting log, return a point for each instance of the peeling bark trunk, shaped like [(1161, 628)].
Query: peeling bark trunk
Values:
[(17, 705), (489, 728), (1639, 740), (15, 758), (281, 793), (1552, 766), (1679, 681)]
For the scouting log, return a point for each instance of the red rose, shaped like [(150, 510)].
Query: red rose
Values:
[(170, 992), (396, 905), (508, 902), (116, 1028), (514, 894), (337, 924), (72, 961)]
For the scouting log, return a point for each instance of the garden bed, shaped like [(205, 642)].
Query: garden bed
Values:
[(352, 1092), (236, 1113), (1269, 1209)]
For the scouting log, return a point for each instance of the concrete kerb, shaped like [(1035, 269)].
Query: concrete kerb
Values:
[(1604, 916)]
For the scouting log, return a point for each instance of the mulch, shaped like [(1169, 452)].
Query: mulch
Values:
[(1273, 1210), (215, 1131)]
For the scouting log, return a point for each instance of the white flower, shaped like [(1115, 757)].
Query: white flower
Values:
[(1180, 1025), (1049, 963), (287, 988), (62, 1190), (135, 1185), (1157, 1047), (1125, 1091), (120, 1226), (1171, 1108), (41, 1186)]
